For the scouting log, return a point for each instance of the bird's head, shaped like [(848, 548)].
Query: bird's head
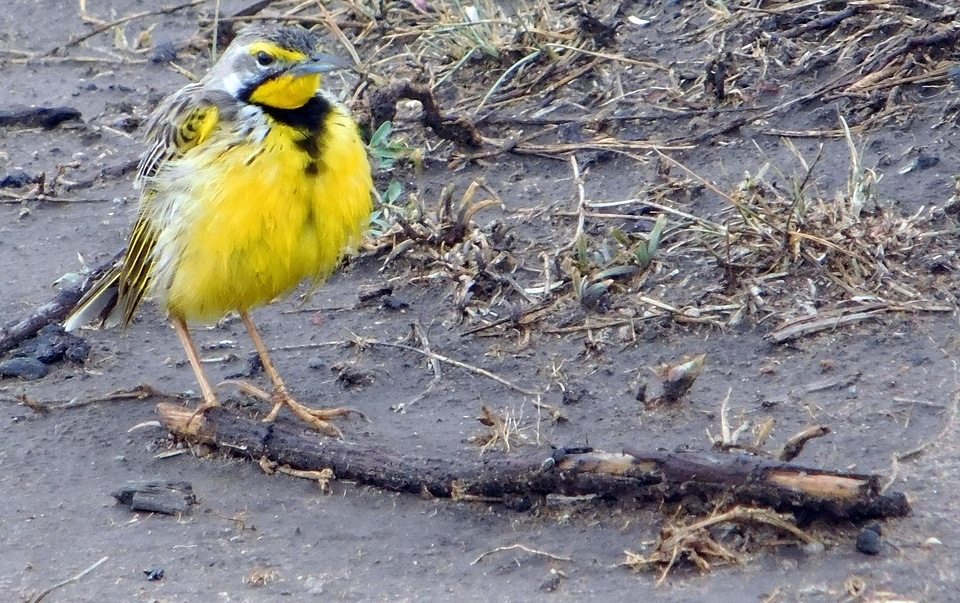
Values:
[(277, 67)]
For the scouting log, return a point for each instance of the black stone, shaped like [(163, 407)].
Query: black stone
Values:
[(868, 542)]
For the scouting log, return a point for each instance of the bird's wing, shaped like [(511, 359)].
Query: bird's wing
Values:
[(182, 122)]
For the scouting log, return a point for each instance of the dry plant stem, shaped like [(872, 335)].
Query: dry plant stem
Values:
[(695, 544), (467, 367), (141, 392), (760, 515), (528, 317), (949, 424), (37, 598), (724, 421), (600, 144), (581, 204), (13, 198), (322, 477), (362, 342), (332, 26), (590, 325), (421, 335), (514, 547)]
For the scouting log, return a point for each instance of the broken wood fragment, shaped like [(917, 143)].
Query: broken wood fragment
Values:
[(167, 497), (641, 475)]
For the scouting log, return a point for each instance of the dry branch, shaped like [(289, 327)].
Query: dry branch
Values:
[(642, 475)]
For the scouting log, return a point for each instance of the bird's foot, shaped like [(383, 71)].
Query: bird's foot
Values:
[(319, 419)]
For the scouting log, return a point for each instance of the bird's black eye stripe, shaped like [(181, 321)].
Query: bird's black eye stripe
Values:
[(264, 59)]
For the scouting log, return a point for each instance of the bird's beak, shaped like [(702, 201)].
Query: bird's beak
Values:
[(319, 63)]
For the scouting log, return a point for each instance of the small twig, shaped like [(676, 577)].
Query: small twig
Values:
[(592, 326), (214, 50), (334, 28), (523, 320), (39, 596), (323, 477), (421, 335), (521, 547), (467, 367)]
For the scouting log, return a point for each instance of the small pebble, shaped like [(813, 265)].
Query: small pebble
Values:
[(153, 574), (17, 179), (52, 344), (868, 542), (392, 302), (25, 368), (164, 53)]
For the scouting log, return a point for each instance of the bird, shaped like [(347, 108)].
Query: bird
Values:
[(255, 180)]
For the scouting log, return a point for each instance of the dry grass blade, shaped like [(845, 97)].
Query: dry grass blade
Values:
[(37, 598)]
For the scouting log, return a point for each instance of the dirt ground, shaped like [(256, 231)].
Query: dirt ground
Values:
[(884, 386)]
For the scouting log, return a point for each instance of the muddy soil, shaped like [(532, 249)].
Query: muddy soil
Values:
[(255, 537)]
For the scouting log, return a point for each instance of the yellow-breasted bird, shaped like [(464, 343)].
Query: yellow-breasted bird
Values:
[(255, 180)]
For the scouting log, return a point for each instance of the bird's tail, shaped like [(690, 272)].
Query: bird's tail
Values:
[(99, 302)]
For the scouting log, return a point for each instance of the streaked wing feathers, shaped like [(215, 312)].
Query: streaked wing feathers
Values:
[(182, 122)]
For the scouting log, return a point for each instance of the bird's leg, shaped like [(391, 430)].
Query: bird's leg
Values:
[(209, 397), (318, 418)]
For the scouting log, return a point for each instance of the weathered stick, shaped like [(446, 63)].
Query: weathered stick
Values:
[(642, 475)]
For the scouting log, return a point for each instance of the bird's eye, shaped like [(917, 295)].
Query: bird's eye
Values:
[(264, 59)]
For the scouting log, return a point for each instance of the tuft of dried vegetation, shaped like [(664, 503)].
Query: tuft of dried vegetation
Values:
[(505, 430), (261, 576), (564, 81), (723, 538)]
